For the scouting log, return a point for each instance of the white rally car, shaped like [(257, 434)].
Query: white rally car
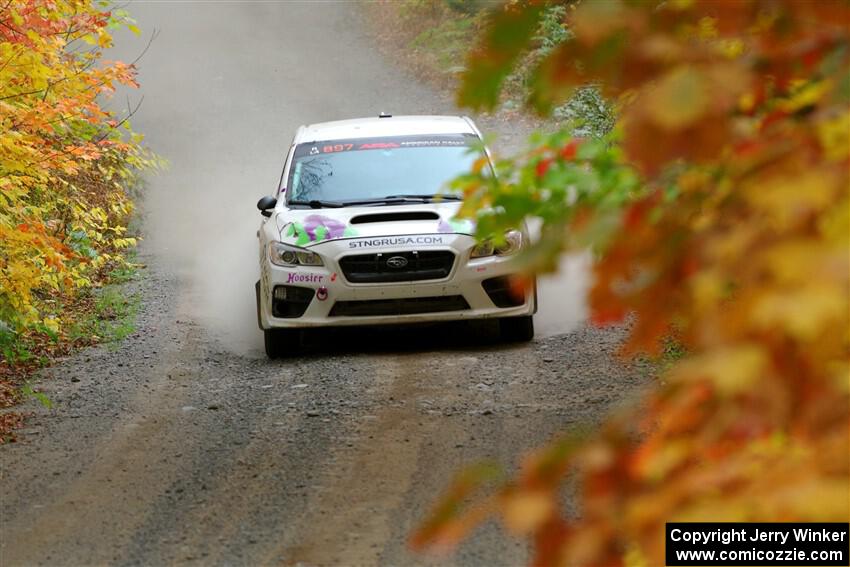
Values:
[(362, 231)]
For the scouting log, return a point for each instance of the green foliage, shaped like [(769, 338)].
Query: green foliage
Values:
[(558, 180), (552, 30), (11, 347), (587, 112), (124, 271)]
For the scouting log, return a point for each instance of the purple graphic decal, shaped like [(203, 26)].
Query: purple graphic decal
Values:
[(464, 226), (320, 227)]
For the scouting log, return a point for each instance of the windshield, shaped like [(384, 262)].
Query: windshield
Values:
[(377, 168)]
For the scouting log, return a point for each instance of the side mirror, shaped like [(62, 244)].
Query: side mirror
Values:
[(266, 204)]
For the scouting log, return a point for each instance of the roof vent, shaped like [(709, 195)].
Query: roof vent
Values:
[(385, 115)]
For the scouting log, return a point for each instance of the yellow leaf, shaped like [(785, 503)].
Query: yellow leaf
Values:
[(679, 99), (808, 94), (732, 370), (656, 465), (51, 323), (707, 289), (635, 558), (791, 199), (525, 511), (834, 137), (803, 312)]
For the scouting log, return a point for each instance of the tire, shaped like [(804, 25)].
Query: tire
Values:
[(281, 343), (517, 329)]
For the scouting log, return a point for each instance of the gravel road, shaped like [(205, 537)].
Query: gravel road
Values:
[(183, 444)]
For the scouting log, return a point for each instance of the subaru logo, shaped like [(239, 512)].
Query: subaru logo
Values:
[(397, 262)]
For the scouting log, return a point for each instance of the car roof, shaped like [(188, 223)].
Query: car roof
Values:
[(385, 125)]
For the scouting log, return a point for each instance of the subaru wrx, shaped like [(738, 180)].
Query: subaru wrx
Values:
[(362, 230)]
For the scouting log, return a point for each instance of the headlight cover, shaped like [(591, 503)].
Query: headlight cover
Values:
[(512, 244), (282, 254)]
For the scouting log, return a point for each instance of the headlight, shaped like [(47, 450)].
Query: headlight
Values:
[(482, 249), (282, 254), (511, 245)]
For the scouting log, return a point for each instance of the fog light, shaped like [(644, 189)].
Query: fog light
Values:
[(506, 291), (291, 301)]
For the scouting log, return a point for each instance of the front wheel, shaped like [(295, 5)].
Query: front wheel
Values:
[(517, 329), (281, 342)]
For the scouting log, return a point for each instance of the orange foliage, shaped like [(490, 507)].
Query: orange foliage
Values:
[(742, 106)]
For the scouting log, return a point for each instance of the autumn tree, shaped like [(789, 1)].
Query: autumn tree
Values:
[(719, 210), (66, 161)]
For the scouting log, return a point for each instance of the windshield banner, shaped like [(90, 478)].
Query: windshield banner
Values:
[(361, 144)]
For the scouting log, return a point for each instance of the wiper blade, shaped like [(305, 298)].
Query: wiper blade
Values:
[(428, 198), (389, 200), (319, 204), (323, 204)]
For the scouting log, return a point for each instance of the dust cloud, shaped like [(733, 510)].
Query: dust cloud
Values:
[(562, 296), (205, 233)]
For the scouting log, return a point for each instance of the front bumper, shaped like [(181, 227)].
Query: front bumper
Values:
[(337, 302)]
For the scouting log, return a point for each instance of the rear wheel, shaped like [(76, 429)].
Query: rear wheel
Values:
[(281, 342), (517, 329)]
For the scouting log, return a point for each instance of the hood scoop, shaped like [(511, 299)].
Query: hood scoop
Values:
[(395, 217)]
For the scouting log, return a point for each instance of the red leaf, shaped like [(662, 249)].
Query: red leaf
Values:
[(568, 152)]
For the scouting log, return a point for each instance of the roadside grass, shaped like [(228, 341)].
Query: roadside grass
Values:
[(430, 37), (672, 350), (125, 273), (98, 315), (445, 46), (112, 317)]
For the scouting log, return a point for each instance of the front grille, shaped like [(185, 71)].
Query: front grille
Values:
[(397, 266), (406, 306)]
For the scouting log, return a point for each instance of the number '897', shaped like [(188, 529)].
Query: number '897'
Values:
[(336, 148)]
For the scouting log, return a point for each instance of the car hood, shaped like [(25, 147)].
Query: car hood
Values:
[(306, 227)]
